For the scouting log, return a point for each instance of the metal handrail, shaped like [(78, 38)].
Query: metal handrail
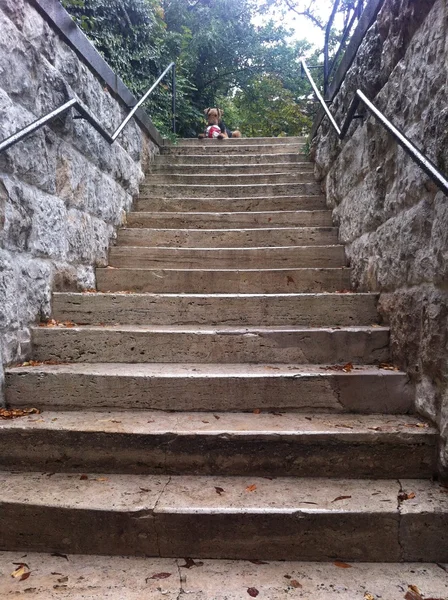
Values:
[(85, 114), (409, 147), (328, 67)]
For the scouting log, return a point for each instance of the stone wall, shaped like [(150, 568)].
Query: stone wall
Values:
[(391, 216), (63, 191)]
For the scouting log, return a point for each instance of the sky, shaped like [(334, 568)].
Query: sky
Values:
[(302, 27)]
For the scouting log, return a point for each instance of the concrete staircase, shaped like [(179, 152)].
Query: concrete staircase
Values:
[(220, 395)]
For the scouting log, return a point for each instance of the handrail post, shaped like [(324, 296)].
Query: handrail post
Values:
[(174, 98)]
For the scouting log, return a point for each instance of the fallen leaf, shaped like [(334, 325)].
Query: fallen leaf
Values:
[(251, 488), (368, 596), (289, 279), (217, 417), (59, 555), (22, 572), (16, 413), (341, 498), (295, 583), (344, 292), (189, 562), (144, 490), (277, 414), (219, 490), (206, 421), (388, 367), (413, 593), (257, 411), (253, 592), (102, 479), (63, 579), (347, 368), (21, 564), (84, 477), (159, 576), (406, 496), (342, 565)]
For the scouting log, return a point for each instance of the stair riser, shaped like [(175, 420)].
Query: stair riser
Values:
[(324, 310), (228, 239), (228, 258), (331, 392), (214, 205), (221, 454), (229, 191), (232, 149), (296, 536), (308, 346), (230, 220), (160, 168), (222, 160), (209, 178), (242, 141), (211, 282)]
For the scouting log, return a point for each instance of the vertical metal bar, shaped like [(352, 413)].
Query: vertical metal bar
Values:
[(174, 98), (326, 50)]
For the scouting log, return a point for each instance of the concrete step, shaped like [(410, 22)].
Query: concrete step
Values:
[(216, 179), (243, 141), (309, 310), (220, 160), (219, 205), (223, 148), (202, 344), (222, 281), (118, 578), (286, 518), (160, 190), (233, 159), (231, 220), (225, 258), (154, 442), (158, 167), (209, 387), (228, 238)]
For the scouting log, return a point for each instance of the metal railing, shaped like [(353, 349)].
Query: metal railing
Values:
[(85, 114), (330, 65), (427, 165)]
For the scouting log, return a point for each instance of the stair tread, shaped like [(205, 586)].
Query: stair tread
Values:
[(346, 295), (402, 429), (207, 370), (134, 578), (161, 494), (209, 329)]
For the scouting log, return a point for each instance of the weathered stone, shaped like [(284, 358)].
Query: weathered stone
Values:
[(63, 189), (392, 217)]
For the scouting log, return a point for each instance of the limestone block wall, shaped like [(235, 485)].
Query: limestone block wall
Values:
[(392, 218), (63, 191)]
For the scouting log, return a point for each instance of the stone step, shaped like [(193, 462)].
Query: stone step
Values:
[(154, 442), (218, 205), (202, 344), (308, 310), (174, 190), (233, 159), (212, 387), (117, 578), (169, 516), (223, 148), (222, 281), (158, 167), (239, 179), (226, 258), (228, 238), (243, 141), (230, 220)]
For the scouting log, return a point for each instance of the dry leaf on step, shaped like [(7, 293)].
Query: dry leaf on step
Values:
[(342, 565), (253, 592), (251, 488)]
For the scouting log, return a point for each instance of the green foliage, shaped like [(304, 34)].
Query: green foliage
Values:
[(222, 59)]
